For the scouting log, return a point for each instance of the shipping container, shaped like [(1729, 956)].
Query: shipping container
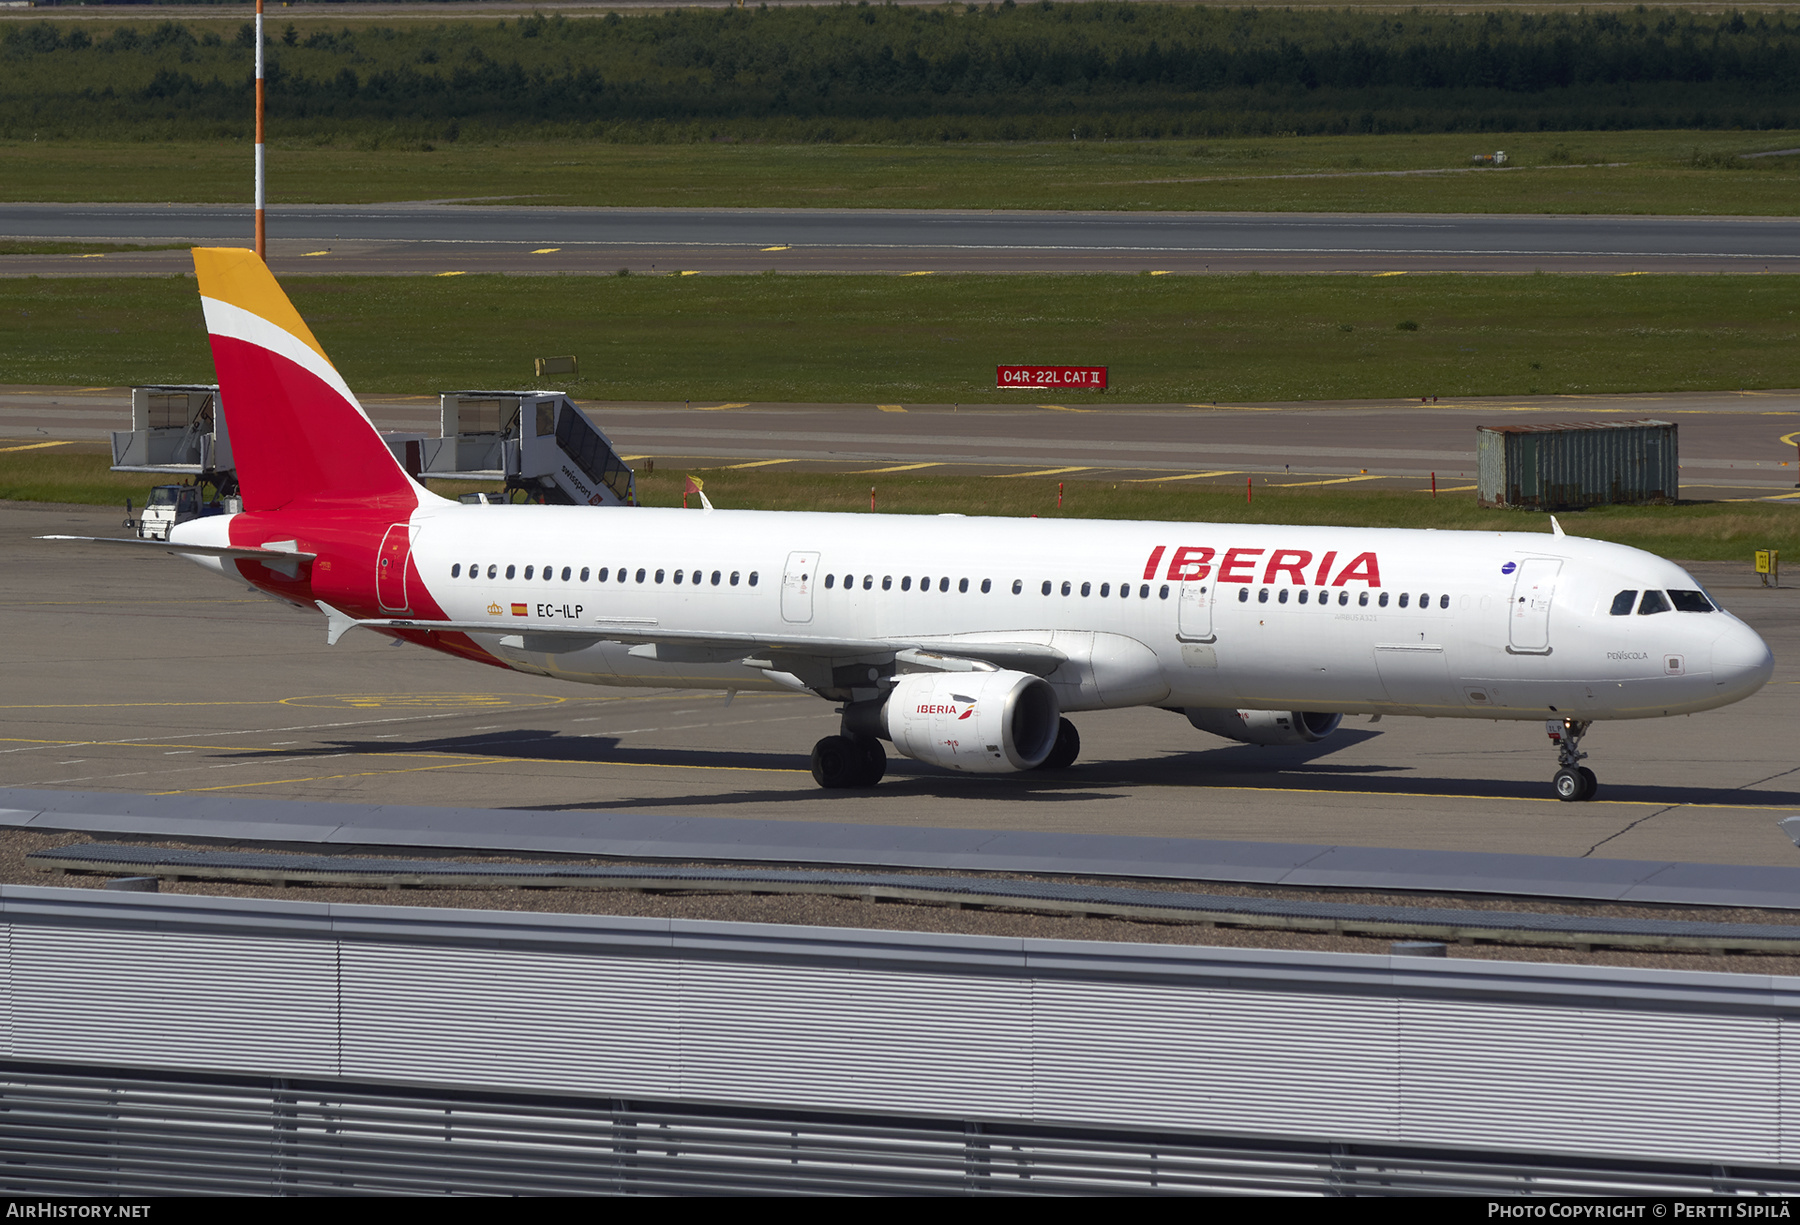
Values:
[(1581, 464)]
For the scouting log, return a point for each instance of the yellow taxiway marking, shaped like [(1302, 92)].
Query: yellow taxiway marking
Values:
[(1185, 476), (34, 446), (1379, 274), (546, 250), (93, 389), (1450, 488), (93, 255), (759, 463), (1631, 274), (453, 274), (719, 408), (1791, 439), (775, 248), (1159, 272), (895, 468), (1064, 408), (890, 408), (688, 272), (325, 778), (926, 273), (1043, 472), (310, 254), (1241, 408), (1340, 480)]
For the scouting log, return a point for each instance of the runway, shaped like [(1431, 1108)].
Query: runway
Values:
[(443, 237), (1733, 444), (141, 674)]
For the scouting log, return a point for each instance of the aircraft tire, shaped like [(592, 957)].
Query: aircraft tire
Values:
[(874, 761), (837, 762), (1066, 749), (1569, 785), (1593, 784)]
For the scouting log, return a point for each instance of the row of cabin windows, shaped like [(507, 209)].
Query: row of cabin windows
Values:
[(606, 573), (1049, 587), (1343, 597), (850, 581), (1657, 602)]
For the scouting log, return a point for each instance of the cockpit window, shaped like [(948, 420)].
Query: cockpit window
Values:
[(1691, 601), (1622, 603), (1654, 602)]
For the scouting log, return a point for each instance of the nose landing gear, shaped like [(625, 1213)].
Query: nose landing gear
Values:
[(1573, 780)]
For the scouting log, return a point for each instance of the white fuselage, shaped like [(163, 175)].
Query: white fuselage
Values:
[(1494, 624)]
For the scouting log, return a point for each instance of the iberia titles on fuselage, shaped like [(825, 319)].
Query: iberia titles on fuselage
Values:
[(962, 641)]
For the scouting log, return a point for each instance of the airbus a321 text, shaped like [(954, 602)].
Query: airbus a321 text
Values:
[(964, 642)]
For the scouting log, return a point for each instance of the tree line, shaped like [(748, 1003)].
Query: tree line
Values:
[(856, 72)]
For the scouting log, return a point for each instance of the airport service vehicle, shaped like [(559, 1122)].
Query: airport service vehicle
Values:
[(167, 506), (963, 642)]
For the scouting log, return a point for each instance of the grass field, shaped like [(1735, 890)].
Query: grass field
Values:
[(1661, 172), (937, 339), (1711, 531)]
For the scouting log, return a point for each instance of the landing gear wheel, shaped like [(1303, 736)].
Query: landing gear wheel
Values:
[(1066, 749), (1569, 784), (874, 760), (1593, 784), (837, 762)]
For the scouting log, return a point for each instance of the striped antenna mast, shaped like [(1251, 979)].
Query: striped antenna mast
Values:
[(260, 252)]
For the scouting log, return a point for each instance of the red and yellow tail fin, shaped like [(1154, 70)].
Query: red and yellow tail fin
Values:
[(297, 432)]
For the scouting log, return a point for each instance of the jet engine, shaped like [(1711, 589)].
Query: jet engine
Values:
[(1264, 726), (978, 722)]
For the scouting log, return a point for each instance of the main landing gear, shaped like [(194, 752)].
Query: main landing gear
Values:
[(1573, 781), (848, 761), (1066, 749)]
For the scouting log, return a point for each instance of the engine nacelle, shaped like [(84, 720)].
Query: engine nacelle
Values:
[(1264, 726), (978, 722)]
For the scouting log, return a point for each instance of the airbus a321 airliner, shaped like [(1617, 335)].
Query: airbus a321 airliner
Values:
[(962, 641)]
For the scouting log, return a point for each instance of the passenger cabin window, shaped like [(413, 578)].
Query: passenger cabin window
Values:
[(1047, 586), (456, 570), (1383, 600), (906, 582), (584, 574), (1164, 592), (1654, 602), (831, 581), (527, 572), (753, 578), (962, 586), (1403, 599), (510, 570), (1691, 601), (716, 576), (987, 585), (1018, 586), (1444, 600), (1065, 587), (734, 578)]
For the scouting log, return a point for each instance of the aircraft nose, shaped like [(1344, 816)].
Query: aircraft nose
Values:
[(1741, 661)]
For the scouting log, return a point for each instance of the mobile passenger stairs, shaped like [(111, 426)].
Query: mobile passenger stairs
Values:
[(539, 443)]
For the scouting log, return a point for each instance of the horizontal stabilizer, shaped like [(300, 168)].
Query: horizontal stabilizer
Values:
[(193, 550)]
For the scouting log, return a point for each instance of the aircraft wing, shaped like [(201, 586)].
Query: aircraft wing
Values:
[(689, 646)]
